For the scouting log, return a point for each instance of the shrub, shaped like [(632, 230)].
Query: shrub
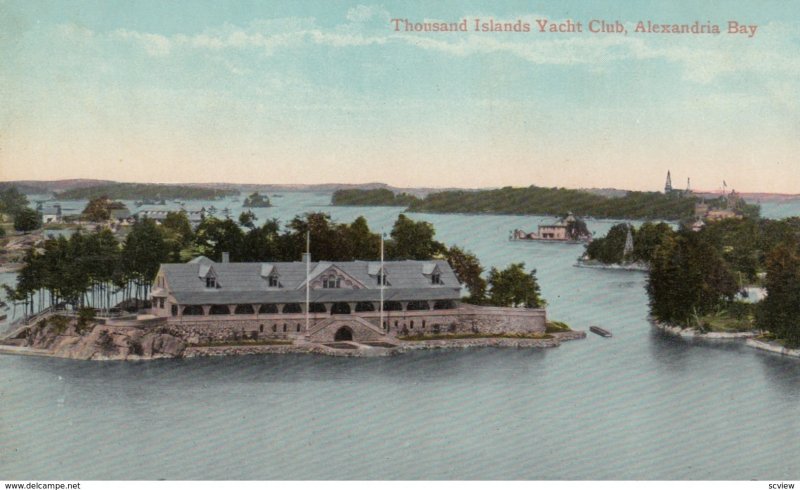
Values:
[(85, 317)]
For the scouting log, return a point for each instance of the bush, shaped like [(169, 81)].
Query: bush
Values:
[(555, 327), (85, 317), (58, 323)]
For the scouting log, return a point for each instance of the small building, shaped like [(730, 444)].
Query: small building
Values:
[(51, 214), (119, 214), (721, 214), (558, 231), (160, 214)]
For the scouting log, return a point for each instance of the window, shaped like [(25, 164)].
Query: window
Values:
[(261, 328), (381, 279), (273, 281), (274, 327), (331, 282), (298, 327), (211, 282), (436, 278), (284, 327), (161, 303), (174, 310)]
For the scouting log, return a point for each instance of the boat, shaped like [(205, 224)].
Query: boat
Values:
[(600, 331)]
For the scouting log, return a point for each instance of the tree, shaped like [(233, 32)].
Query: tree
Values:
[(647, 238), (780, 310), (215, 236), (262, 244), (248, 219), (609, 249), (97, 209), (27, 220), (256, 200), (513, 287), (468, 270), (577, 230), (178, 227), (688, 278), (413, 240), (362, 243), (143, 253), (12, 201)]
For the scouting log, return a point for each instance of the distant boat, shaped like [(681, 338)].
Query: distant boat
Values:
[(600, 331)]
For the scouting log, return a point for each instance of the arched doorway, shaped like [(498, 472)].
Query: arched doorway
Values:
[(343, 334)]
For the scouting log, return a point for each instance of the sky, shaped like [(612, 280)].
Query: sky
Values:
[(328, 91)]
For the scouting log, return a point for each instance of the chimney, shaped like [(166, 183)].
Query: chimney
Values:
[(306, 258), (226, 257)]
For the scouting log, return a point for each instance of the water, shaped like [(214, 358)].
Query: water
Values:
[(641, 405)]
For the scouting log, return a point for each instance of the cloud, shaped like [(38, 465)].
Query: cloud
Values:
[(364, 13), (154, 44), (702, 59)]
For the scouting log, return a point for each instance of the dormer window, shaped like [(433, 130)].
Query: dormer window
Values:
[(211, 282), (272, 280), (436, 278), (331, 282)]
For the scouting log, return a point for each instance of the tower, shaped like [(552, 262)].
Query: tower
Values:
[(668, 184), (627, 251)]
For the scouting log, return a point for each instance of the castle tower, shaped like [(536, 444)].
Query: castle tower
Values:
[(668, 185)]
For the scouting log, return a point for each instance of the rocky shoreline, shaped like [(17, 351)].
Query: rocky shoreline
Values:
[(773, 347), (593, 264), (751, 338), (691, 333), (123, 343)]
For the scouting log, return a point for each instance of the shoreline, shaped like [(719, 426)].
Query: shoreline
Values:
[(691, 333), (773, 348), (336, 349), (634, 267), (750, 338)]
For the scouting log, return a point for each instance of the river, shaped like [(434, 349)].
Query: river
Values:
[(640, 405)]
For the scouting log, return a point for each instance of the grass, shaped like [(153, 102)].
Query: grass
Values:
[(556, 327), (458, 336), (231, 343), (725, 322)]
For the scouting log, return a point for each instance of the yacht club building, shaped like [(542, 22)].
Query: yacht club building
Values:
[(323, 301)]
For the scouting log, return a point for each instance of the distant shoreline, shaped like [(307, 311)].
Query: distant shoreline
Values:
[(60, 185)]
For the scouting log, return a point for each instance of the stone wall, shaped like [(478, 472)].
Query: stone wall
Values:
[(465, 319)]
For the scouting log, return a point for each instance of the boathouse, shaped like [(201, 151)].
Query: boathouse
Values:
[(324, 301)]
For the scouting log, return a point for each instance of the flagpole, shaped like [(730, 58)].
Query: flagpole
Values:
[(308, 273), (383, 280)]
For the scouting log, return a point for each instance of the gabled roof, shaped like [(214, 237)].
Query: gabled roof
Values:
[(323, 268), (245, 283)]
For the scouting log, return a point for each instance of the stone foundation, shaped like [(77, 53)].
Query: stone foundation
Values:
[(365, 326)]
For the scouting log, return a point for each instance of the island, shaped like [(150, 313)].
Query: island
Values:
[(245, 293), (672, 205), (154, 192), (732, 278), (256, 200)]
